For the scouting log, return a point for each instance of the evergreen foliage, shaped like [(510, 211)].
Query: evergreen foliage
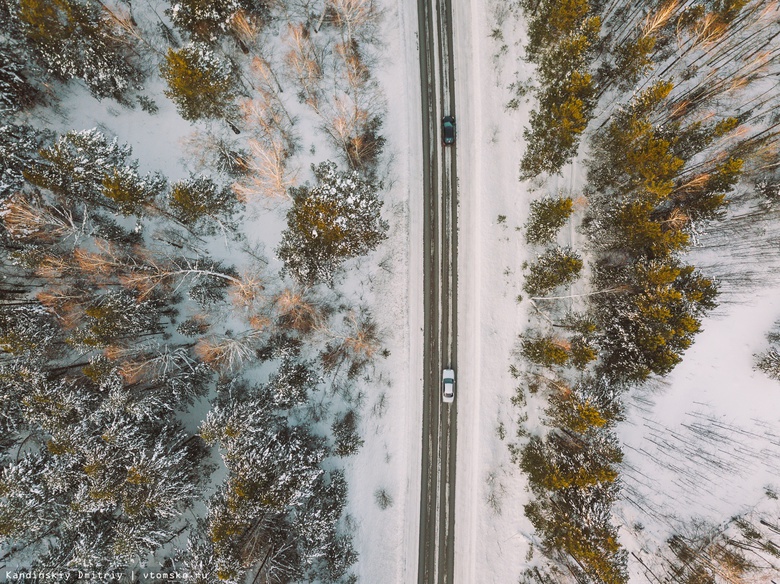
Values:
[(555, 267), (544, 351), (17, 90), (201, 84), (18, 150), (86, 167), (75, 39), (548, 215), (277, 501), (206, 20), (202, 204), (562, 34), (337, 219), (768, 361), (345, 431)]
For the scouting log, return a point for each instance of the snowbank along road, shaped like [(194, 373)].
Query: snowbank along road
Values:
[(437, 501)]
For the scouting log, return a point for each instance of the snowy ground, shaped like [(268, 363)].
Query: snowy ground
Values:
[(390, 459), (705, 442), (490, 540)]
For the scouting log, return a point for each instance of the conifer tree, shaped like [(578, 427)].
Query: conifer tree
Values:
[(17, 89), (548, 215), (85, 166), (202, 204), (75, 39), (545, 351), (18, 150), (201, 84), (337, 219), (555, 267), (345, 431), (205, 20)]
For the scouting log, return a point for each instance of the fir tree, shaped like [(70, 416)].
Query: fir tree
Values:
[(89, 168), (18, 150), (345, 431), (17, 89), (205, 20), (544, 351), (556, 267)]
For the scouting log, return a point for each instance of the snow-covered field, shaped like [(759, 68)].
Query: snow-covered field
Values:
[(704, 443)]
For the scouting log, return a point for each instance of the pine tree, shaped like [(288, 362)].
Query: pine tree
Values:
[(345, 431), (75, 39), (117, 317), (17, 90), (556, 267), (201, 84), (132, 194), (291, 384), (548, 215), (334, 221), (205, 20), (202, 204), (89, 168), (544, 351), (18, 148)]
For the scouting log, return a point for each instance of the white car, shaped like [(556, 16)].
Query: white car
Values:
[(448, 386)]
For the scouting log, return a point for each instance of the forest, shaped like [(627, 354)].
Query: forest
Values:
[(119, 326), (671, 108)]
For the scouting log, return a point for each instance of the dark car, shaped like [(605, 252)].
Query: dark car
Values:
[(448, 130)]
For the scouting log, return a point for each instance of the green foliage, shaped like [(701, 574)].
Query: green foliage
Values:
[(114, 317), (383, 499), (593, 544), (364, 149), (18, 150), (553, 137), (345, 431), (85, 166), (566, 460), (131, 193), (74, 39), (205, 20), (582, 351), (544, 351), (562, 34), (548, 215), (555, 267), (572, 412), (647, 327), (334, 221), (633, 60), (200, 84), (18, 91), (202, 204), (551, 20)]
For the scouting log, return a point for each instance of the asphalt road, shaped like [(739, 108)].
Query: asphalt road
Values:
[(437, 497)]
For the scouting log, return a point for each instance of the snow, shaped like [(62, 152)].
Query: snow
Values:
[(489, 546), (387, 539), (714, 389)]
